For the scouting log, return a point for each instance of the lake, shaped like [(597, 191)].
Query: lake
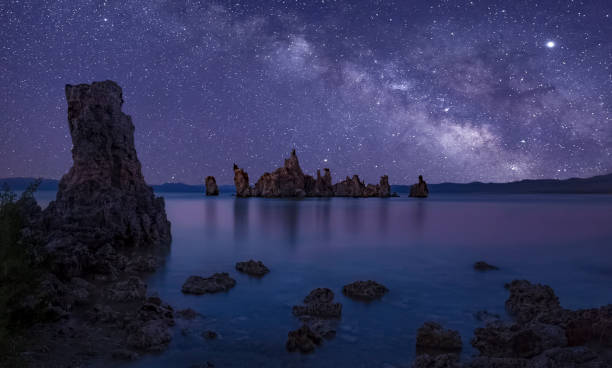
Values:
[(422, 250)]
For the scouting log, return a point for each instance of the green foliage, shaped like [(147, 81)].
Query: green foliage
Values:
[(18, 272)]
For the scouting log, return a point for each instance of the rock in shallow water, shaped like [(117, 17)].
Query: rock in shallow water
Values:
[(303, 339), (187, 314), (290, 181), (319, 304), (319, 316), (253, 268), (364, 290), (209, 335), (211, 186), (103, 199), (213, 284), (484, 266), (432, 336)]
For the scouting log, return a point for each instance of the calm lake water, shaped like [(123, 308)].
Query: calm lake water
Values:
[(422, 250)]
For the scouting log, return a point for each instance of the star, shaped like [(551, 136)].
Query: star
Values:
[(551, 44)]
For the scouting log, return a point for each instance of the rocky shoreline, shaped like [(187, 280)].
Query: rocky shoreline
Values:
[(542, 334), (93, 243)]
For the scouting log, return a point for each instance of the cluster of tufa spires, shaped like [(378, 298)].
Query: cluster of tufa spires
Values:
[(290, 181)]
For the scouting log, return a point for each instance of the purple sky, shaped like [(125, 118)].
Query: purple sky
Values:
[(454, 90)]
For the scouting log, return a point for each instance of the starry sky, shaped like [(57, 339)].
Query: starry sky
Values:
[(454, 90)]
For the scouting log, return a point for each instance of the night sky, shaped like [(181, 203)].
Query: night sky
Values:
[(454, 90)]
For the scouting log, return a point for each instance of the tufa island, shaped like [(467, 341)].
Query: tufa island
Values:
[(290, 181)]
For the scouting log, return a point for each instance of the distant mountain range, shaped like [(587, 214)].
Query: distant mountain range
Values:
[(597, 184)]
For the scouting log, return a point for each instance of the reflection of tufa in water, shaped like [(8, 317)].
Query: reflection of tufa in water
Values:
[(419, 190), (290, 181)]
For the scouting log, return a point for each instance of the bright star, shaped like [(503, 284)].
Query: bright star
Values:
[(550, 44)]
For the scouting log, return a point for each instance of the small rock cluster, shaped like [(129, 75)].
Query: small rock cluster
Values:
[(319, 316), (543, 334)]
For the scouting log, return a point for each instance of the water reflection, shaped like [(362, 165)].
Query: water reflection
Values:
[(327, 242), (241, 219)]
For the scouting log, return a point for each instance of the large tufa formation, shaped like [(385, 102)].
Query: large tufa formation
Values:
[(103, 202), (290, 181)]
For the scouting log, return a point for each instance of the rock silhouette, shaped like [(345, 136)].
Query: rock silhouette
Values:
[(419, 190), (103, 199), (290, 181), (103, 230), (211, 186), (252, 267), (241, 181)]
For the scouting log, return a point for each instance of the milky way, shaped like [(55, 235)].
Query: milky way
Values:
[(453, 90)]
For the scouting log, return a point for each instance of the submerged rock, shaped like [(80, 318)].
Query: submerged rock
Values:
[(420, 189), (213, 284), (484, 266), (303, 339), (211, 186), (432, 336), (209, 335), (290, 181), (187, 314), (364, 290), (253, 268)]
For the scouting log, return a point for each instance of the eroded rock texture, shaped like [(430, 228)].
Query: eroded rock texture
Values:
[(241, 181), (211, 186), (543, 334), (290, 181), (365, 290), (319, 316), (103, 230), (103, 199)]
